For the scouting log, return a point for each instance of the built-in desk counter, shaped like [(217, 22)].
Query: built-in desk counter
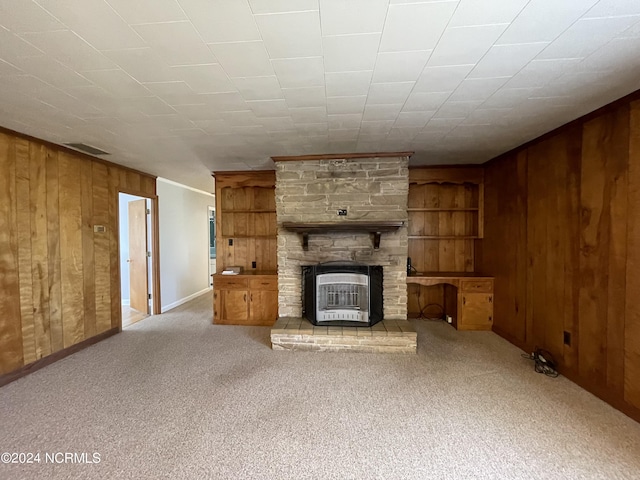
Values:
[(472, 308)]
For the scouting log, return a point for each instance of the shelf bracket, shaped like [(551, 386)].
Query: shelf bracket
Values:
[(305, 241), (376, 240)]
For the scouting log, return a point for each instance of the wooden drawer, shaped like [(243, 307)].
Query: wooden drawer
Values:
[(229, 282), (264, 283), (479, 286)]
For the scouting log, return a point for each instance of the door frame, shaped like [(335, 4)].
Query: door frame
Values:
[(155, 251)]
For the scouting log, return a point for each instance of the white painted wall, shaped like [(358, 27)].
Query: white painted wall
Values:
[(184, 242)]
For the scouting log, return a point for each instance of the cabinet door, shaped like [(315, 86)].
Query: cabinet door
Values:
[(476, 311), (263, 307), (233, 307)]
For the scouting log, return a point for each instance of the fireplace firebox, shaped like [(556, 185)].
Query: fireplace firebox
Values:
[(346, 294)]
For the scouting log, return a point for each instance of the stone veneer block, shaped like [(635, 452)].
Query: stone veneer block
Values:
[(294, 334)]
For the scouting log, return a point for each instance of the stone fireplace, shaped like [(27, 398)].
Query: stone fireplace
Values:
[(371, 190)]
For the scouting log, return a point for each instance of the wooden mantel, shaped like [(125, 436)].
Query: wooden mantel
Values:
[(373, 227)]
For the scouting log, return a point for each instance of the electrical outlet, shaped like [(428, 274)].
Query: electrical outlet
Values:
[(342, 212), (253, 265), (231, 242), (566, 338)]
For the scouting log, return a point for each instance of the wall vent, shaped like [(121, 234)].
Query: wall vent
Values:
[(83, 147)]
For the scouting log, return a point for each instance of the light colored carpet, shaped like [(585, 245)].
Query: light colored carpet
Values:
[(176, 397)]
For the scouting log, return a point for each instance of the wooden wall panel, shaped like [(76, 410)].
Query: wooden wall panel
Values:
[(632, 306), (59, 279), (71, 272), (38, 160), (582, 244), (23, 225), (11, 356)]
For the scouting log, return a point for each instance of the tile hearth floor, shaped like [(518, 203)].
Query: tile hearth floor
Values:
[(388, 336)]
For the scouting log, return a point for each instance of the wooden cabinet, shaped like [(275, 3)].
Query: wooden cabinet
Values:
[(470, 303), (250, 299)]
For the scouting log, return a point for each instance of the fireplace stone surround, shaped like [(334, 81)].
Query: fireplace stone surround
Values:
[(370, 189)]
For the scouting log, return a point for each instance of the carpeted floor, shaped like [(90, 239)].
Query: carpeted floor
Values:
[(176, 397)]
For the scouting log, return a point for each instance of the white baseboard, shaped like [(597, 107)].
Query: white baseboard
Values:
[(166, 308)]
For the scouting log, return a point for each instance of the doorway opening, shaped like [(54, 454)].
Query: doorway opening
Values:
[(135, 258)]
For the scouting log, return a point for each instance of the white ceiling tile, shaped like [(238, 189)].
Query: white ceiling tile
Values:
[(355, 16), (389, 93), (486, 116), (242, 118), (118, 83), (177, 43), (259, 88), (195, 112), (290, 35), (269, 108), (95, 21), (477, 89), (381, 112), (456, 109), (312, 129), (349, 53), (299, 72), (425, 101), (151, 106), (473, 12), (22, 16), (277, 124), (65, 102), (342, 121), (344, 134), (509, 97), (342, 84), (13, 47), (586, 36), (375, 126), (148, 11), (305, 97), (51, 71), (309, 115), (404, 28), (143, 64), (413, 119), (222, 20), (544, 20), (205, 78), (506, 60), (243, 59), (282, 6), (465, 45), (8, 69), (399, 66), (610, 8), (225, 101), (342, 105), (69, 49), (538, 73), (169, 88), (441, 79)]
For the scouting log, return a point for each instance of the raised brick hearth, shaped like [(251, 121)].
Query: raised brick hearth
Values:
[(388, 336)]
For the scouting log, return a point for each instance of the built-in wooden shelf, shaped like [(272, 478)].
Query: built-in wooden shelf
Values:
[(373, 227)]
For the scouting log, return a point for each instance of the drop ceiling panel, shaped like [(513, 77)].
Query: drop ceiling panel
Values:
[(148, 11), (243, 59), (279, 32), (143, 64), (440, 79), (354, 16), (222, 20), (473, 12), (342, 105), (342, 84), (95, 21), (282, 6), (465, 45), (305, 97), (347, 53), (400, 66), (177, 43), (299, 72), (22, 16), (389, 93), (507, 60), (405, 30), (204, 78)]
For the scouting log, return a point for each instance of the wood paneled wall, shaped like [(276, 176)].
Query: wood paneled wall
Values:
[(562, 238), (60, 281)]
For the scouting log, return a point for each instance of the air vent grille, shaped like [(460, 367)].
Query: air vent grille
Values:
[(83, 147)]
